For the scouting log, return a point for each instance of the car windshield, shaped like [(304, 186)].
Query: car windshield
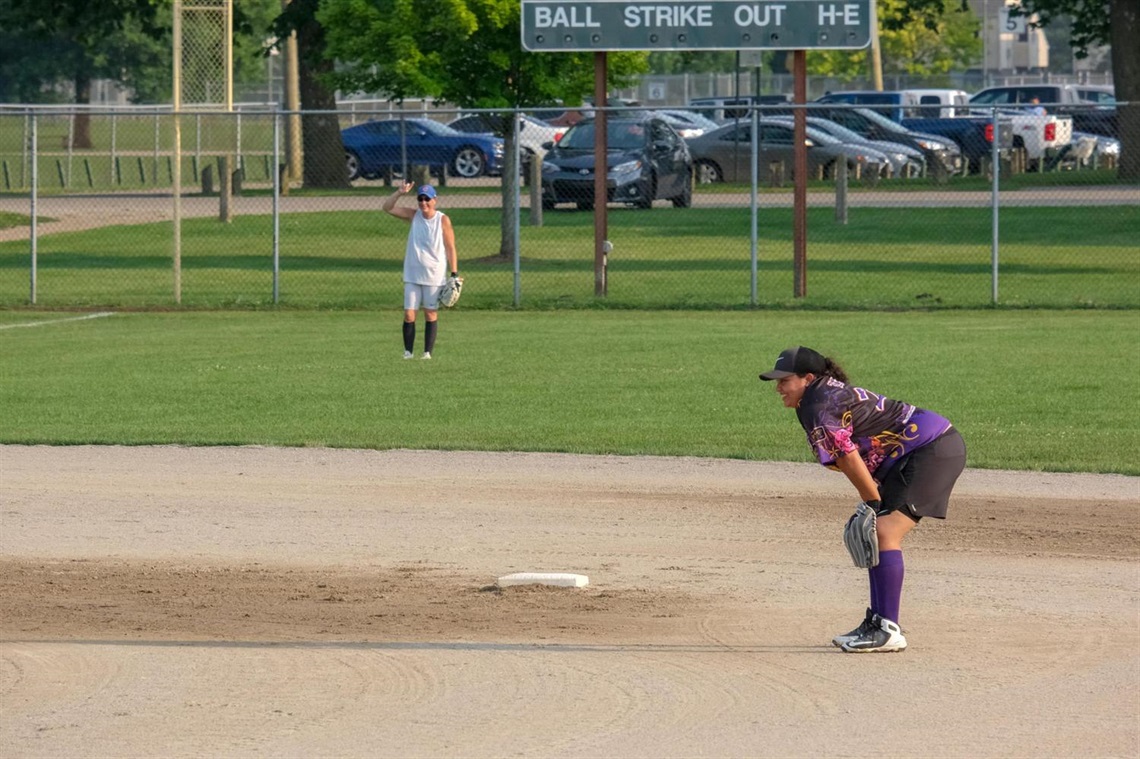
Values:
[(882, 121), (440, 130), (862, 98), (836, 130), (695, 119), (818, 136), (620, 135), (487, 122)]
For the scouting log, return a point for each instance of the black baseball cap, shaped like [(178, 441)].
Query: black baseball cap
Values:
[(798, 360)]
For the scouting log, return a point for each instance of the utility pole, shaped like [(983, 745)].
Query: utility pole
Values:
[(293, 105), (876, 50)]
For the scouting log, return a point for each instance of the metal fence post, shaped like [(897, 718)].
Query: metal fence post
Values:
[(157, 139), (71, 145), (994, 204), (34, 192), (24, 147), (176, 181), (753, 203), (114, 146), (517, 126), (276, 205)]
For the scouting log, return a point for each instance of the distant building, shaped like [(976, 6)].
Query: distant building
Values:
[(1009, 43)]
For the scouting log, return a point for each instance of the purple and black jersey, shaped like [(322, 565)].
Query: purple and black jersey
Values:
[(840, 419)]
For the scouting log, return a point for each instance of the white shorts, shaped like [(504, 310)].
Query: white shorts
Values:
[(426, 296)]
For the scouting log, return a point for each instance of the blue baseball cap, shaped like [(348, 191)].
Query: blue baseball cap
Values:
[(427, 190)]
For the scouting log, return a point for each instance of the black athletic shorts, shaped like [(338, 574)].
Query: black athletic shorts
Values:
[(919, 484)]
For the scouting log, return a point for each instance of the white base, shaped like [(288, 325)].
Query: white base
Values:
[(559, 579)]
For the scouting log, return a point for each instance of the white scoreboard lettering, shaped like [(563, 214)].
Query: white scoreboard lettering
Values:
[(708, 25)]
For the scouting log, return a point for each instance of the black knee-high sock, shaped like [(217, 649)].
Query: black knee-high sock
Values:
[(429, 336), (409, 336)]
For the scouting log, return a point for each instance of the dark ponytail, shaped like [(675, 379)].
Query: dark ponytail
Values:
[(834, 370)]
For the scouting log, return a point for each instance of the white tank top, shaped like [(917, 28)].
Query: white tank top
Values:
[(425, 260)]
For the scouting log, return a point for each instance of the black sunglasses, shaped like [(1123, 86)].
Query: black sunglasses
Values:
[(423, 198)]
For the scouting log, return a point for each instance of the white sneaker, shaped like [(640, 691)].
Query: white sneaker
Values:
[(427, 356), (885, 637), (408, 354)]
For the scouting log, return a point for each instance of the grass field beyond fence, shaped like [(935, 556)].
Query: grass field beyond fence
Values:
[(663, 258), (1037, 390)]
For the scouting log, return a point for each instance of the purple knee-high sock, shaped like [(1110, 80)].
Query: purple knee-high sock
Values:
[(886, 583)]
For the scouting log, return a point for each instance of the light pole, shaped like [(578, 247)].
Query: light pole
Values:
[(986, 44)]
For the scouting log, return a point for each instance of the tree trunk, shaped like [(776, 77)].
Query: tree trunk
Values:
[(81, 133), (1124, 24), (510, 213), (324, 164)]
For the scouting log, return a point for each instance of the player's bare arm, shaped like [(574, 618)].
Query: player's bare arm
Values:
[(855, 469), (400, 212), (449, 245)]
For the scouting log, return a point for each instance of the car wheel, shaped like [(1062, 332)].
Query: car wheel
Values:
[(469, 163), (585, 205), (648, 192), (526, 158), (708, 173), (685, 199), (352, 162), (547, 205)]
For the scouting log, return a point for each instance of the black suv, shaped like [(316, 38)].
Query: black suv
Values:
[(646, 160)]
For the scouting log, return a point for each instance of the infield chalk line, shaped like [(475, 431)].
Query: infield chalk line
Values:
[(99, 315)]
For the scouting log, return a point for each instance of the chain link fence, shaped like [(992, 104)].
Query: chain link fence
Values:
[(931, 227)]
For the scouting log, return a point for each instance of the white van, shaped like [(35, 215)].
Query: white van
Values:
[(934, 104), (906, 104)]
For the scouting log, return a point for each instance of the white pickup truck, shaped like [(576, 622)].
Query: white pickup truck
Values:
[(1042, 135)]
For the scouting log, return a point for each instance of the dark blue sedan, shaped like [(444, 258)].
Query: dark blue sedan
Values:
[(376, 146)]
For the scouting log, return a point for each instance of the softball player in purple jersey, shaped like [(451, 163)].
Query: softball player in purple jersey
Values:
[(902, 460)]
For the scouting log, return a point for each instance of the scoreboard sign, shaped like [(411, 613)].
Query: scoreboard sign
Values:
[(597, 25)]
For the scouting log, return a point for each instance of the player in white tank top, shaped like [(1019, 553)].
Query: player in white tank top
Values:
[(429, 256)]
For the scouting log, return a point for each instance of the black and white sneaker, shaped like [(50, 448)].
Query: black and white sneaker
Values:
[(847, 637), (883, 636)]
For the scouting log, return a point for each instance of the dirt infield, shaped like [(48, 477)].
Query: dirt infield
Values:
[(309, 602)]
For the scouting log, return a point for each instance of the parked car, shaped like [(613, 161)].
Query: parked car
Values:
[(938, 151), (1087, 147), (1092, 107), (570, 117), (905, 104), (373, 147), (724, 155), (645, 160), (533, 134), (688, 124), (721, 109), (904, 160), (942, 113)]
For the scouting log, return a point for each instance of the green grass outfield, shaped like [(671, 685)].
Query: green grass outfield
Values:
[(664, 258), (1036, 390)]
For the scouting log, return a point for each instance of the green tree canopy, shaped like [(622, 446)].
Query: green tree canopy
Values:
[(465, 52), (928, 39)]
